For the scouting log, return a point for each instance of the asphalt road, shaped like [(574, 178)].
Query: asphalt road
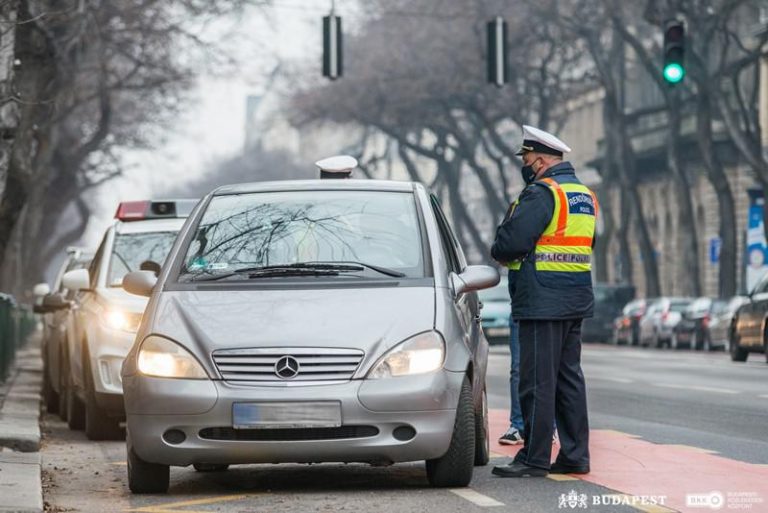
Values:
[(665, 397)]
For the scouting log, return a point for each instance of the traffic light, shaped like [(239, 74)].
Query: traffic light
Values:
[(674, 51), (332, 54), (497, 52)]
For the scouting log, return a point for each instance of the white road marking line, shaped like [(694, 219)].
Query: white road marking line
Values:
[(615, 380), (697, 388), (476, 498), (764, 396)]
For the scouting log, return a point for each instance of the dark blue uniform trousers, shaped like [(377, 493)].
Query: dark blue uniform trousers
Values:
[(552, 383)]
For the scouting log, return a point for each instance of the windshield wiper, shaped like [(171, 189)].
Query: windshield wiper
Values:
[(272, 271), (351, 266), (302, 269)]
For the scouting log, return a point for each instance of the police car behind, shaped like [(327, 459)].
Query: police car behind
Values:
[(105, 318)]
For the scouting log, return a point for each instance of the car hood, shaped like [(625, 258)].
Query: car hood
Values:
[(371, 319)]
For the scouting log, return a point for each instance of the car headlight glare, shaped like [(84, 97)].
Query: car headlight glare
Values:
[(421, 354), (162, 358), (119, 320)]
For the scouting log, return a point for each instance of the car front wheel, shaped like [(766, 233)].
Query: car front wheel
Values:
[(98, 426), (738, 353), (454, 468), (145, 477), (482, 437)]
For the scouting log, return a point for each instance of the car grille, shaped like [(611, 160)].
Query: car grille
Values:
[(309, 364), (288, 435)]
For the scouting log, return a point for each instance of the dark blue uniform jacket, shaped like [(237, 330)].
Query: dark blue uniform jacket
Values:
[(540, 295)]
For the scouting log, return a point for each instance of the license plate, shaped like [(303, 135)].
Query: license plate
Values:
[(286, 415), (497, 332)]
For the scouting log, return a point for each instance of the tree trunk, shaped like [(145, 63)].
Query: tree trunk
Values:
[(34, 78), (603, 240), (727, 282), (688, 262), (625, 248)]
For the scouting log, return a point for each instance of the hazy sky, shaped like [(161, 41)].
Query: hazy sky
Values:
[(212, 127)]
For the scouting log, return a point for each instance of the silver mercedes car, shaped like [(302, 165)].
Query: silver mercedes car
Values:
[(310, 321)]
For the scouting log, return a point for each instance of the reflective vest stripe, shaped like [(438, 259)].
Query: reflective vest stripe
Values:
[(597, 206), (565, 241), (562, 218), (566, 244)]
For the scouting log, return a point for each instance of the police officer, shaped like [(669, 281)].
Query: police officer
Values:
[(547, 244)]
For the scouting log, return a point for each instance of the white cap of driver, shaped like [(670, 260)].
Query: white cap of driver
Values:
[(339, 166)]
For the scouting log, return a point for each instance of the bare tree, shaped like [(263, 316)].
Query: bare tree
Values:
[(418, 79), (93, 76)]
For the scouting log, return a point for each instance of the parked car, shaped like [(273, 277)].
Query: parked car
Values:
[(693, 329), (54, 307), (608, 302), (104, 318), (722, 321), (495, 313), (660, 319), (627, 325), (386, 363), (749, 332)]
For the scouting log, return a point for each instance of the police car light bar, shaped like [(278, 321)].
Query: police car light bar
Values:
[(158, 209)]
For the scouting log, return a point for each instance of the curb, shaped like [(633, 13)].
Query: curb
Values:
[(20, 460)]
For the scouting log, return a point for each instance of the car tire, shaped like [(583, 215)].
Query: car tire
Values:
[(210, 467), (145, 477), (75, 407), (482, 433), (454, 468), (98, 426), (738, 353), (50, 397), (64, 362)]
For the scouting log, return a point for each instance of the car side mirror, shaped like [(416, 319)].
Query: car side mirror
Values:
[(140, 283), (473, 278), (77, 279), (51, 303)]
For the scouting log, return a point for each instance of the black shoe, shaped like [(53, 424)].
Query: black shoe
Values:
[(518, 470), (559, 468)]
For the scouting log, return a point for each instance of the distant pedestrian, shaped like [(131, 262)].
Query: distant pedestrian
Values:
[(546, 241)]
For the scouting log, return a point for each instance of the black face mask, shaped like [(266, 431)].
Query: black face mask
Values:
[(528, 174)]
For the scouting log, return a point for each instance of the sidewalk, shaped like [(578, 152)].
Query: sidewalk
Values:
[(20, 462)]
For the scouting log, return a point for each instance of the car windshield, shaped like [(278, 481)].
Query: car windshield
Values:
[(130, 250), (499, 293), (679, 306), (248, 232)]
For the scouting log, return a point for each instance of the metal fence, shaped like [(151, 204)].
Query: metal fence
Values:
[(16, 323)]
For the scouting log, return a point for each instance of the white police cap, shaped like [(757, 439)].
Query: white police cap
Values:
[(339, 166), (535, 139)]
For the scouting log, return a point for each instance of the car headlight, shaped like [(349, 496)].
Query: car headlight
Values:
[(163, 358), (120, 320), (418, 355)]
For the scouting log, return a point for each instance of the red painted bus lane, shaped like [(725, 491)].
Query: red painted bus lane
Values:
[(636, 467)]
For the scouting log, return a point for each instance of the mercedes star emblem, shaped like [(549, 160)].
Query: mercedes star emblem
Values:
[(287, 367)]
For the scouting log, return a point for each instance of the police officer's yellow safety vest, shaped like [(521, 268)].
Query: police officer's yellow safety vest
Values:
[(566, 244)]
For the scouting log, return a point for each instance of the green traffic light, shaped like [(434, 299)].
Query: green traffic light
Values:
[(673, 73)]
